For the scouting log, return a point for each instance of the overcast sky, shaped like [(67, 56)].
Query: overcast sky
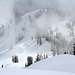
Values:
[(25, 6)]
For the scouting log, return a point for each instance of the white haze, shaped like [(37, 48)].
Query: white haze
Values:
[(5, 11), (25, 6), (21, 7)]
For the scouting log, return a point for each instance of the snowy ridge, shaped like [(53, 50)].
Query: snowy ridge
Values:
[(63, 63)]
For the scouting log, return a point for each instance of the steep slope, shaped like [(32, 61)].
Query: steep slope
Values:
[(38, 23)]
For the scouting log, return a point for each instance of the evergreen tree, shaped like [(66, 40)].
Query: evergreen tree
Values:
[(38, 58), (29, 60), (46, 56), (2, 65), (74, 49), (65, 53), (15, 59)]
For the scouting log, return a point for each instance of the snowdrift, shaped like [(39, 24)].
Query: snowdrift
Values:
[(58, 65), (13, 71), (65, 63)]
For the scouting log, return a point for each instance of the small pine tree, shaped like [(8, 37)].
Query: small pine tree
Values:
[(65, 53), (74, 50), (41, 57), (25, 65), (2, 65), (29, 60), (38, 58), (40, 40), (46, 56), (16, 59)]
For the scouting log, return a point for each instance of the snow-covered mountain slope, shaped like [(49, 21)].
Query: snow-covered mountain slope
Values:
[(15, 71), (38, 23), (46, 20), (63, 63), (29, 47), (58, 65), (43, 21)]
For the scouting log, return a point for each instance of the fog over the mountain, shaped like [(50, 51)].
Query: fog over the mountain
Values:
[(21, 7), (5, 11)]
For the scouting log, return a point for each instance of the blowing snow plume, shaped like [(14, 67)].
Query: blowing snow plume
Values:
[(22, 7)]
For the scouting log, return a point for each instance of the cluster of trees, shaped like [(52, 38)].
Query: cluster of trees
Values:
[(15, 59), (71, 27), (59, 44), (39, 13), (38, 58), (30, 59)]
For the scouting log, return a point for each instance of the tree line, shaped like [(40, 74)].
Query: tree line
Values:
[(30, 59)]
